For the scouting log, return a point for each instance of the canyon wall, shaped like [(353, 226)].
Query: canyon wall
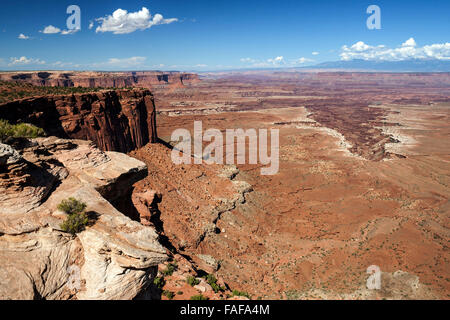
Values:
[(146, 79), (121, 120)]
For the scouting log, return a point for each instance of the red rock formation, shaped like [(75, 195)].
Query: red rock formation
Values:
[(120, 120), (146, 204), (147, 79)]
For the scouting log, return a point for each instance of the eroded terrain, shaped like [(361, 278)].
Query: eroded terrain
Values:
[(363, 180)]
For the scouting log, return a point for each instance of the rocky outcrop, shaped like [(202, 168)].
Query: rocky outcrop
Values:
[(113, 258), (121, 120), (146, 204), (146, 79)]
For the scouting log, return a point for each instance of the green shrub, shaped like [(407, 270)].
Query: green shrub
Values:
[(21, 130), (212, 281), (75, 223), (5, 130), (171, 267), (170, 295), (77, 219), (25, 130), (237, 293), (192, 281), (72, 206), (159, 282), (199, 297)]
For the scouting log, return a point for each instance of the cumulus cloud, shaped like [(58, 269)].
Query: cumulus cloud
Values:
[(51, 30), (276, 61), (407, 51), (123, 22), (23, 37), (315, 53), (55, 30), (409, 43), (25, 61)]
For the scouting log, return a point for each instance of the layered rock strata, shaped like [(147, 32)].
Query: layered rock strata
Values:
[(121, 120), (147, 79), (113, 258)]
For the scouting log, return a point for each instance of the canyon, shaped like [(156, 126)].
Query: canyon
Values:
[(145, 79), (364, 180)]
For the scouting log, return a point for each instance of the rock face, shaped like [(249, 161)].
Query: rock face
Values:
[(146, 204), (147, 79), (121, 120), (113, 258)]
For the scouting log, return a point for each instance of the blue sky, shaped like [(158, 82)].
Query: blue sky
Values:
[(213, 35)]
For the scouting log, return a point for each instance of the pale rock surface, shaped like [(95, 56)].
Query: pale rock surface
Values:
[(116, 257)]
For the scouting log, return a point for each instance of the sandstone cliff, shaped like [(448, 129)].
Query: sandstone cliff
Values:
[(117, 257), (121, 120), (146, 79)]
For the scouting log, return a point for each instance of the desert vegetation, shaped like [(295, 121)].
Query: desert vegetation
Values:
[(21, 130), (77, 218), (13, 90)]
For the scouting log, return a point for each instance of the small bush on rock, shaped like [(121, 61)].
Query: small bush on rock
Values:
[(192, 281), (159, 282), (77, 219), (171, 267), (169, 294), (212, 281), (237, 293), (72, 206)]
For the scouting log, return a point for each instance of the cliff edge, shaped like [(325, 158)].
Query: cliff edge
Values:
[(121, 120), (113, 258)]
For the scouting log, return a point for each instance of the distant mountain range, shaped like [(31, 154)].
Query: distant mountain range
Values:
[(389, 66)]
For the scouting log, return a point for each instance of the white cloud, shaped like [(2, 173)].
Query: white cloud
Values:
[(122, 22), (25, 61), (91, 25), (408, 50), (54, 30), (200, 66), (277, 59), (315, 53), (73, 31), (51, 30), (303, 60), (409, 43), (23, 37)]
